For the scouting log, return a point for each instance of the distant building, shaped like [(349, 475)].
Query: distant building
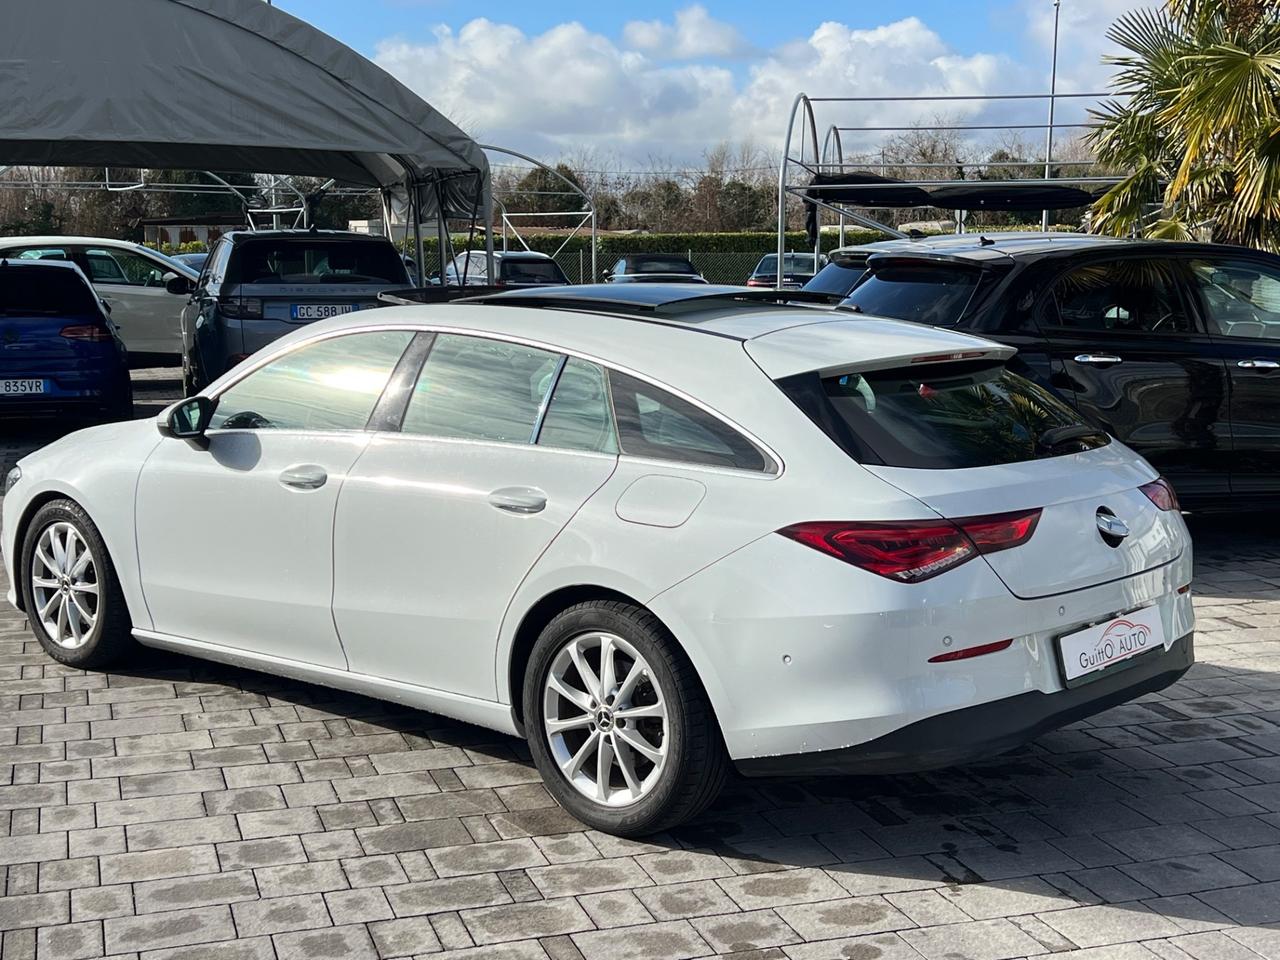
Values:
[(197, 228)]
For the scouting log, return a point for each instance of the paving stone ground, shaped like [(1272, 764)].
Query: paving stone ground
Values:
[(179, 810)]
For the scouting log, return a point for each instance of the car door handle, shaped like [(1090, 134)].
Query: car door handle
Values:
[(304, 476), (1258, 364), (1100, 358), (523, 500)]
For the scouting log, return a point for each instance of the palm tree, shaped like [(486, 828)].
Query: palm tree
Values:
[(1198, 128)]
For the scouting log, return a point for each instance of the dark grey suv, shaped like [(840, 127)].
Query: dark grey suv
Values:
[(256, 286)]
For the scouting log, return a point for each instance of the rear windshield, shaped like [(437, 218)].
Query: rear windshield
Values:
[(661, 265), (942, 416), (532, 271), (44, 292), (930, 293), (791, 263), (835, 278), (303, 260)]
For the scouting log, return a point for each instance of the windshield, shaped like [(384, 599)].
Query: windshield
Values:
[(304, 260), (44, 292), (922, 292), (941, 416), (660, 265)]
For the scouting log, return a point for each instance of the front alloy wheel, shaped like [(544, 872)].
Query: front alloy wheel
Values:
[(64, 585), (618, 721), (606, 719)]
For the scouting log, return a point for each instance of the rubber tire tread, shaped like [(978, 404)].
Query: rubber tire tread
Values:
[(705, 761), (114, 638)]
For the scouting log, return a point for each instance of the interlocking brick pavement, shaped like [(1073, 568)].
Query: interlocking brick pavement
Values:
[(177, 810)]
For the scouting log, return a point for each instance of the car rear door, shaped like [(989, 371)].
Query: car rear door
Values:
[(1137, 361), (132, 284), (445, 513), (1239, 298)]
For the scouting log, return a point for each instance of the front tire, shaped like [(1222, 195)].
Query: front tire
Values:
[(618, 722), (70, 589)]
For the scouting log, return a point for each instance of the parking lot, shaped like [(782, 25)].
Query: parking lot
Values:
[(180, 808)]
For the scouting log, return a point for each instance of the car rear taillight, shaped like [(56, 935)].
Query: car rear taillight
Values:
[(1160, 492), (247, 308), (86, 331), (758, 282), (913, 550)]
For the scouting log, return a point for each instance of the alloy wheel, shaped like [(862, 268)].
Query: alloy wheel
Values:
[(64, 585), (606, 720)]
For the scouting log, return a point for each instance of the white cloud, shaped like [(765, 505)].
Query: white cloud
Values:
[(664, 90), (695, 34)]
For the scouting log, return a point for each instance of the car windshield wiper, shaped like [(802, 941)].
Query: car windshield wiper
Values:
[(1057, 436)]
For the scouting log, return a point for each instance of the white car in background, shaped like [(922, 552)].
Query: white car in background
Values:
[(130, 279), (655, 530)]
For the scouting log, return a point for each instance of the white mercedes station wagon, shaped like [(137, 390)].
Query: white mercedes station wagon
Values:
[(656, 531)]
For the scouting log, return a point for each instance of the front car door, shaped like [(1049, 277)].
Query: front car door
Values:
[(442, 518), (133, 285), (1239, 298), (235, 540), (1138, 363)]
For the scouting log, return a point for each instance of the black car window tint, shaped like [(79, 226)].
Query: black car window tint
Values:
[(1241, 298), (1120, 296)]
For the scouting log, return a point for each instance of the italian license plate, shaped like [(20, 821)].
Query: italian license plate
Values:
[(20, 388), (1104, 645), (321, 311)]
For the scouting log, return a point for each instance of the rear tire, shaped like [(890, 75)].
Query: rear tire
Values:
[(663, 757), (70, 590)]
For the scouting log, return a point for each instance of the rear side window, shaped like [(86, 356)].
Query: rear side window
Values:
[(44, 292), (922, 292), (941, 416), (836, 278), (654, 423), (303, 260)]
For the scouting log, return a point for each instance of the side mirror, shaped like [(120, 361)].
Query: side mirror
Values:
[(177, 284), (189, 419)]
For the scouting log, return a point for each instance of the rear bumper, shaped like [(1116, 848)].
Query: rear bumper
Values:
[(986, 729)]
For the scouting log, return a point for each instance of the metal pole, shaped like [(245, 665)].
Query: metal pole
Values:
[(1053, 90)]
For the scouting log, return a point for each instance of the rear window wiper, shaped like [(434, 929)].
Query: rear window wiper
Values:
[(1057, 436)]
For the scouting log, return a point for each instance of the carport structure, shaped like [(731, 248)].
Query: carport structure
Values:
[(228, 85)]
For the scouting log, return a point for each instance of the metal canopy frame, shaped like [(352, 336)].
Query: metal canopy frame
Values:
[(813, 158)]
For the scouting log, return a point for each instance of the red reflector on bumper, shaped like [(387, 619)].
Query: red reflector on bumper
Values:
[(968, 652), (1184, 588)]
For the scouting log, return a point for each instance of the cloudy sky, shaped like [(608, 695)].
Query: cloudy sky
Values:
[(670, 80)]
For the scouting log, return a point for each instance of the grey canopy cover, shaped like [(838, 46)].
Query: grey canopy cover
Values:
[(227, 85)]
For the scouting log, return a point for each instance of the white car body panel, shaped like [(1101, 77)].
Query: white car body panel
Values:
[(429, 583), (425, 563)]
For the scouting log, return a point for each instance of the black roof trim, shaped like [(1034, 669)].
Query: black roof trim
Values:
[(656, 299)]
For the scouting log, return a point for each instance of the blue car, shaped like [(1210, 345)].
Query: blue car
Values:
[(60, 354)]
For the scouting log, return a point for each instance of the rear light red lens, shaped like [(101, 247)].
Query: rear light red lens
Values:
[(1160, 492), (914, 550), (753, 282), (968, 652), (86, 331)]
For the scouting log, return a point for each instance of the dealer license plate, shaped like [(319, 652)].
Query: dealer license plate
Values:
[(20, 388), (1106, 644), (321, 311)]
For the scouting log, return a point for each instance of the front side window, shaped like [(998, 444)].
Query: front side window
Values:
[(327, 385), (1121, 296), (1241, 297), (472, 388), (123, 267), (653, 423), (578, 416)]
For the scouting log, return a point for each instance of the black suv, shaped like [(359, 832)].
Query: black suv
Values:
[(256, 286), (1174, 348)]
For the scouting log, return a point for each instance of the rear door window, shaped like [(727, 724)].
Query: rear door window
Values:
[(941, 416), (919, 291), (578, 416)]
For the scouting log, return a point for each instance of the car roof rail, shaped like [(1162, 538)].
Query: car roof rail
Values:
[(651, 299)]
